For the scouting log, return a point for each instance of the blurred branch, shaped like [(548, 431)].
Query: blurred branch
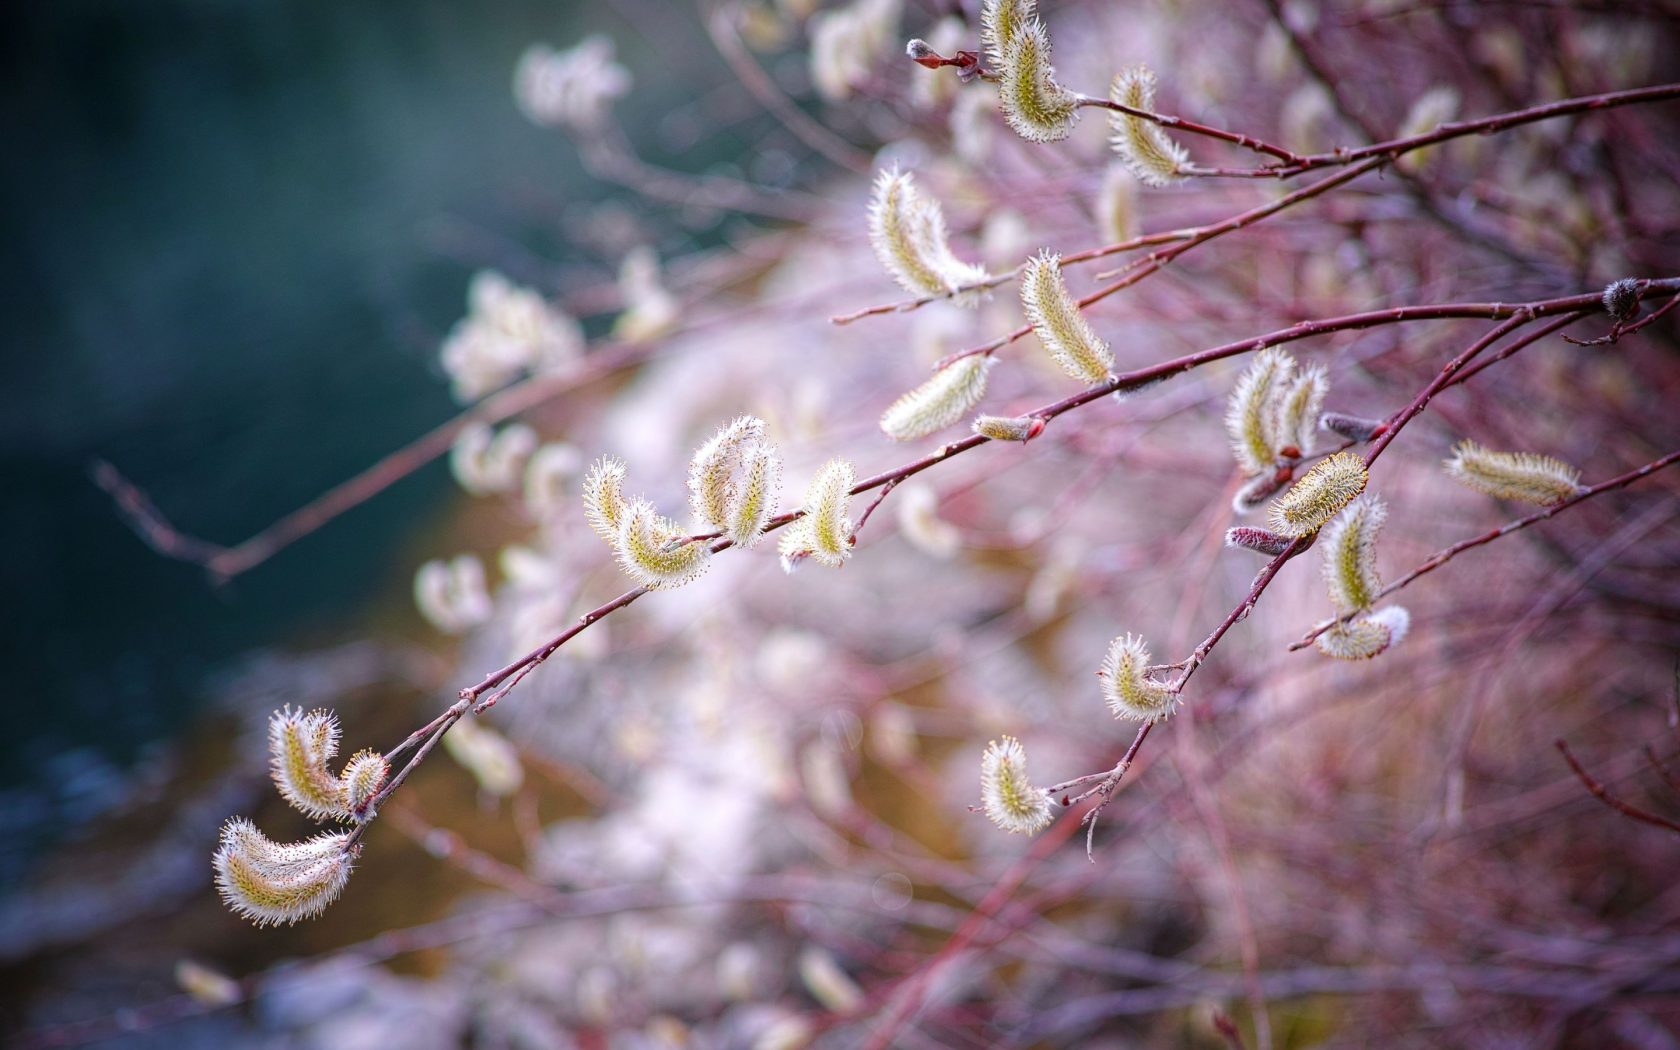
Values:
[(1600, 792)]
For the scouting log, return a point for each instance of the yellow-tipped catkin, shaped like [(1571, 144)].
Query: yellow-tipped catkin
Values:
[(1366, 636), (1251, 415), (269, 882), (1130, 692), (1008, 428), (999, 19), (1010, 799), (1142, 144), (363, 776), (1328, 487), (909, 238), (823, 533), (1513, 475), (1038, 108), (753, 497), (939, 402), (648, 554), (1350, 554), (1056, 319), (300, 746), (603, 497)]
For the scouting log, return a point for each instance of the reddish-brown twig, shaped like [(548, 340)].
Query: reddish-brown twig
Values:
[(1600, 792)]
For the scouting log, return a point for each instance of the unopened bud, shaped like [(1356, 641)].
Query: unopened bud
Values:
[(1259, 540), (1351, 427), (1621, 299)]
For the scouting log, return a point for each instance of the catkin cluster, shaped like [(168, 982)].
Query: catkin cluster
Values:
[(270, 882), (1018, 51), (1271, 420)]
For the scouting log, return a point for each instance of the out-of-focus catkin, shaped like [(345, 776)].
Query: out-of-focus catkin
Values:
[(1513, 475), (939, 402)]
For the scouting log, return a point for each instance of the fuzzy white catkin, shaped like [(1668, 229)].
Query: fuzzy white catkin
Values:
[(1009, 798), (999, 19), (1056, 320), (273, 883), (1349, 543), (1513, 475), (1142, 144), (1126, 684), (1366, 636), (1329, 486), (907, 232), (546, 473), (846, 42), (1251, 414), (823, 533), (941, 401), (1117, 204), (451, 595), (1298, 410), (570, 89), (487, 755), (603, 496), (300, 744), (485, 461), (1036, 107), (649, 554), (508, 331), (650, 311)]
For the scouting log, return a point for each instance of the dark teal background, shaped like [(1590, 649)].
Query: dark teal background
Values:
[(232, 233)]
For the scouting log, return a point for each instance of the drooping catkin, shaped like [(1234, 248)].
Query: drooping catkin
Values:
[(1036, 107), (272, 883), (648, 552), (1142, 144), (1009, 798), (1251, 416), (1329, 486), (1056, 320), (300, 745), (1350, 554), (823, 533), (1367, 636), (908, 234), (1513, 475), (1008, 428), (1131, 693), (939, 402), (603, 496)]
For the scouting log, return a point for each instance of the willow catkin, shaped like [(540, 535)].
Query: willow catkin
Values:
[(1349, 542), (1056, 320), (1367, 636), (273, 883), (1513, 475), (649, 552), (603, 496), (908, 235), (1126, 684), (1142, 144), (1329, 486), (939, 402), (824, 532), (1036, 107), (1009, 798)]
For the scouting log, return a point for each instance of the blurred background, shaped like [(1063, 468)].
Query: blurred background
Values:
[(241, 243)]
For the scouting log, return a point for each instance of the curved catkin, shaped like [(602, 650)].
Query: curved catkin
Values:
[(823, 533), (1130, 692), (272, 883), (753, 498), (1513, 475), (603, 496), (1350, 554), (1009, 798), (909, 238), (1251, 416), (363, 776), (1328, 487), (1056, 320), (1299, 408), (300, 746), (939, 402), (646, 551), (1036, 107), (999, 19), (1008, 428), (711, 473), (1142, 144), (1366, 636)]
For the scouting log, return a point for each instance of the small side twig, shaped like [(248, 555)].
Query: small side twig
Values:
[(1600, 792)]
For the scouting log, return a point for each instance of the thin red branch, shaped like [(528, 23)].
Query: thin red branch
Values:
[(1600, 792)]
